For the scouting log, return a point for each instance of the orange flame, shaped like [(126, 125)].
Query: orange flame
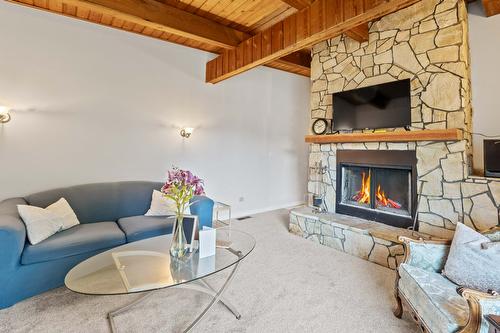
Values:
[(363, 195), (383, 200)]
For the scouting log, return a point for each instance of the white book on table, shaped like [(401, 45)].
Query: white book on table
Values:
[(207, 243)]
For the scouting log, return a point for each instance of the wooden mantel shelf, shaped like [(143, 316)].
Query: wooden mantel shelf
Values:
[(453, 134)]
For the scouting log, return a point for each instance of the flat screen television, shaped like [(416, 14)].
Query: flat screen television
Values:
[(381, 106)]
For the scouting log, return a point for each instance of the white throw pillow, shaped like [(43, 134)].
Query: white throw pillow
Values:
[(62, 209), (161, 205), (42, 223)]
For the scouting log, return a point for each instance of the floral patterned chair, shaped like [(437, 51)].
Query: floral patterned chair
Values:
[(437, 304)]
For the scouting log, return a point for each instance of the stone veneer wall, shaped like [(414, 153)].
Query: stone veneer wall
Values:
[(427, 43), (357, 237)]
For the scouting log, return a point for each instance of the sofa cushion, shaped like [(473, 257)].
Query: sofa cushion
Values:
[(77, 240), (434, 297), (141, 227)]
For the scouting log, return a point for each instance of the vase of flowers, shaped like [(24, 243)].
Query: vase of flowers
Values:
[(180, 187)]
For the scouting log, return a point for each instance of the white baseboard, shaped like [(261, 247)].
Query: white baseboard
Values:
[(236, 215)]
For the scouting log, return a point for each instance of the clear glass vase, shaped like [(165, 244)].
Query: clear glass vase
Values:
[(178, 246)]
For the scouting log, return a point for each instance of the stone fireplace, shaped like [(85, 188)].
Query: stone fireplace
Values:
[(378, 186), (426, 43)]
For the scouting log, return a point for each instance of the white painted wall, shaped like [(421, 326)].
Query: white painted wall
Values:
[(484, 35), (97, 104)]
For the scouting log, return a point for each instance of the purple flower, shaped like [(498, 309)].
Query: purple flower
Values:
[(181, 185)]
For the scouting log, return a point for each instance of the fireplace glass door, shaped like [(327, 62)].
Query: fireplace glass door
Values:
[(386, 190), (356, 191), (392, 192)]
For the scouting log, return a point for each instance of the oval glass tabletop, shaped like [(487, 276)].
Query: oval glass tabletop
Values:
[(146, 265)]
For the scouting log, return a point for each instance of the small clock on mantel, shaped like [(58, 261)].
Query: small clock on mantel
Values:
[(320, 126)]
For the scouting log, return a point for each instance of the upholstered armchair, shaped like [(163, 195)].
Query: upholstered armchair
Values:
[(437, 304)]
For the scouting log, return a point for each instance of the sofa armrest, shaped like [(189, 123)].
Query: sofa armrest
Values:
[(480, 304), (203, 207), (12, 234), (426, 254)]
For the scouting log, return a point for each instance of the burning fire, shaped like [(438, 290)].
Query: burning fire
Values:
[(363, 195)]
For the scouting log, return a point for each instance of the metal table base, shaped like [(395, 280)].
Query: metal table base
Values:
[(198, 285)]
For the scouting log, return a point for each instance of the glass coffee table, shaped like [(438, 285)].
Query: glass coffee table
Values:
[(146, 266)]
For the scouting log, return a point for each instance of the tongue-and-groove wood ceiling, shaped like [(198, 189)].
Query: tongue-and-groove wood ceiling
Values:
[(151, 18), (244, 33)]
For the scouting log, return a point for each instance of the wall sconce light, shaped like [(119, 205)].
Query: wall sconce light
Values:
[(186, 132), (4, 115)]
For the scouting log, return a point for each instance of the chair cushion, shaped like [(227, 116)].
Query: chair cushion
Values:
[(80, 239), (434, 297), (141, 227)]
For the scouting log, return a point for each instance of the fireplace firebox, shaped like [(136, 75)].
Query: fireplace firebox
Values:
[(377, 185)]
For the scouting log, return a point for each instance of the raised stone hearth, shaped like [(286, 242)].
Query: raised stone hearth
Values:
[(369, 240), (428, 44)]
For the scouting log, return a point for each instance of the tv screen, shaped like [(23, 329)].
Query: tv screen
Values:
[(381, 106)]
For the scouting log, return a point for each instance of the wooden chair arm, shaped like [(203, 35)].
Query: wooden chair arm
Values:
[(468, 292), (491, 230), (474, 298), (438, 241)]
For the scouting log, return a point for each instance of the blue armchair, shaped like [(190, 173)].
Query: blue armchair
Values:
[(110, 214), (437, 304)]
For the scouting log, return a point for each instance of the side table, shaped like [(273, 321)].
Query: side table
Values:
[(224, 237), (220, 207)]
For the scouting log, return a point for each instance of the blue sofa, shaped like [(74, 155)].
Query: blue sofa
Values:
[(110, 214)]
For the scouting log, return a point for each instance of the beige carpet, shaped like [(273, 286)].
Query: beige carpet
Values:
[(288, 284)]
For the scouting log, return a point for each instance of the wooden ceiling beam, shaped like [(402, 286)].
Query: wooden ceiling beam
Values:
[(358, 33), (322, 20), (156, 15), (298, 4), (300, 58), (297, 63), (491, 7)]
